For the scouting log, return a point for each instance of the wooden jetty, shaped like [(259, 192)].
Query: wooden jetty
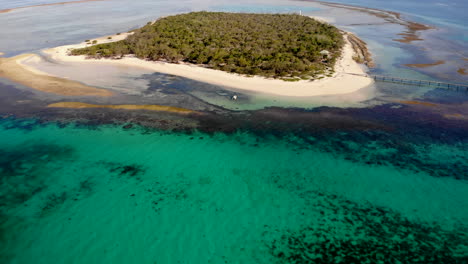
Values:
[(441, 85)]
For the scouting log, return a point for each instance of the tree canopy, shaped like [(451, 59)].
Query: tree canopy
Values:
[(271, 45)]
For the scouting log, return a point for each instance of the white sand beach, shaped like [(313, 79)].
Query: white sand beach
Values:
[(349, 76), (13, 69)]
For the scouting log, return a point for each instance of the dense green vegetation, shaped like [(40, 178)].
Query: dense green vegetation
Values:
[(272, 45)]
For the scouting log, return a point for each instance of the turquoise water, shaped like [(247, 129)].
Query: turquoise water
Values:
[(104, 194), (381, 184)]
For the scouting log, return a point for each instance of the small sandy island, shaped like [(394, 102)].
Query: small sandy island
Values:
[(349, 75)]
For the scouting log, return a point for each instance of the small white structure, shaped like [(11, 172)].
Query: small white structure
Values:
[(325, 54), (234, 97)]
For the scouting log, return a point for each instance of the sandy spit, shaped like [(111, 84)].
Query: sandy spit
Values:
[(11, 68)]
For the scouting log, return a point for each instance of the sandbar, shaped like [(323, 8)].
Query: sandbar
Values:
[(163, 108), (418, 103), (425, 65), (412, 28), (456, 116), (11, 68), (349, 75)]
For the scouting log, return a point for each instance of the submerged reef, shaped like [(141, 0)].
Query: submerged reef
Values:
[(347, 232), (53, 201), (374, 235), (128, 170), (331, 228), (336, 229), (375, 138), (377, 148), (21, 168)]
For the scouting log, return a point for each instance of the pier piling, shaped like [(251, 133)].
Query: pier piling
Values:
[(449, 86)]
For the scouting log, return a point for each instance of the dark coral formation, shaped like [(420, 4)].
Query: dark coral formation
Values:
[(375, 137), (133, 171), (163, 193), (335, 229), (343, 232), (376, 148), (20, 170), (368, 234), (53, 201), (21, 179), (23, 124), (128, 170)]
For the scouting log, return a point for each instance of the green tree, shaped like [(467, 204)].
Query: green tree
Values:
[(259, 44)]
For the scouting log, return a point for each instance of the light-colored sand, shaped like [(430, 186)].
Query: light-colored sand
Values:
[(1, 53), (349, 75), (11, 68), (425, 65), (418, 103), (163, 108)]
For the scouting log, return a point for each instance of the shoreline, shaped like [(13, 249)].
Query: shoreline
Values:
[(411, 34), (349, 75), (13, 69), (362, 53), (51, 4)]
